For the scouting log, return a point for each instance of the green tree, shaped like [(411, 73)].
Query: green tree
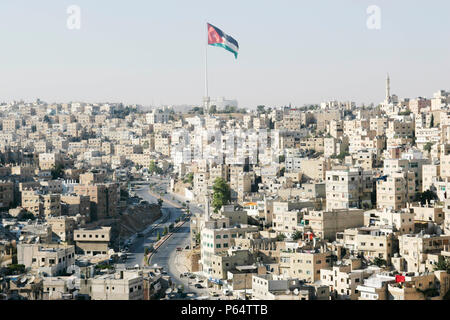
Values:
[(432, 121), (160, 202), (426, 196), (379, 262), (221, 194), (158, 236), (261, 109), (153, 168), (58, 171), (442, 264), (281, 237), (297, 235), (147, 251), (189, 178), (213, 109), (166, 231), (428, 146)]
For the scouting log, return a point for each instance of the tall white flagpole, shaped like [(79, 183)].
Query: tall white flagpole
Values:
[(206, 73)]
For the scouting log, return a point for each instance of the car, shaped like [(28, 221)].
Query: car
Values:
[(192, 277), (187, 248), (198, 286), (200, 281), (179, 249)]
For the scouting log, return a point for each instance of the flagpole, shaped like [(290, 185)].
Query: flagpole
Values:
[(206, 74)]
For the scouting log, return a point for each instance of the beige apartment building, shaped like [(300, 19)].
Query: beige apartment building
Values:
[(325, 224), (304, 264), (343, 281), (71, 205), (52, 259), (218, 240), (225, 261), (51, 205), (162, 143), (62, 228), (47, 161), (103, 198), (123, 285), (271, 287), (370, 242), (428, 213), (396, 190), (92, 241), (419, 252), (315, 169), (31, 201), (351, 188)]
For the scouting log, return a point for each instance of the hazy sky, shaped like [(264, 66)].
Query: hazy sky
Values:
[(145, 51)]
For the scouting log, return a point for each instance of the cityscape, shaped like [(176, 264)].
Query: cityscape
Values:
[(219, 200)]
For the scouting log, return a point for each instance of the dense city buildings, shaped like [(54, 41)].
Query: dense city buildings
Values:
[(334, 201)]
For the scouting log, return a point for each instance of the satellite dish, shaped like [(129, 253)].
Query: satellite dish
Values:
[(296, 292), (288, 291)]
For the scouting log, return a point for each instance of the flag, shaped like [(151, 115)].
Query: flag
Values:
[(399, 278), (217, 38)]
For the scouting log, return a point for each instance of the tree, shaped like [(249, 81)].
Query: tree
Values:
[(426, 196), (58, 171), (27, 216), (147, 251), (261, 109), (153, 168), (297, 235), (189, 178), (158, 236), (432, 121), (442, 264), (281, 237), (160, 202), (379, 262), (428, 146), (221, 194), (166, 231), (213, 109)]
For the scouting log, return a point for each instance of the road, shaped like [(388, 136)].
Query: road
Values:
[(167, 255)]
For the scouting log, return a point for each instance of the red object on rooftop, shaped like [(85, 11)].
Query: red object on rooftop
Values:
[(399, 278)]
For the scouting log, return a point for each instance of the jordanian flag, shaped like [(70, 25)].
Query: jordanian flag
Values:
[(219, 39)]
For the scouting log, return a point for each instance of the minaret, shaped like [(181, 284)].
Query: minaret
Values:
[(388, 89)]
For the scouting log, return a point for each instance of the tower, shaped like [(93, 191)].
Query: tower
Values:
[(388, 89)]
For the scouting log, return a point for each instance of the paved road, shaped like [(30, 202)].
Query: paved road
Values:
[(136, 252), (166, 256)]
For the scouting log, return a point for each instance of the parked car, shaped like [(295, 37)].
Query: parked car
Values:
[(198, 286)]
